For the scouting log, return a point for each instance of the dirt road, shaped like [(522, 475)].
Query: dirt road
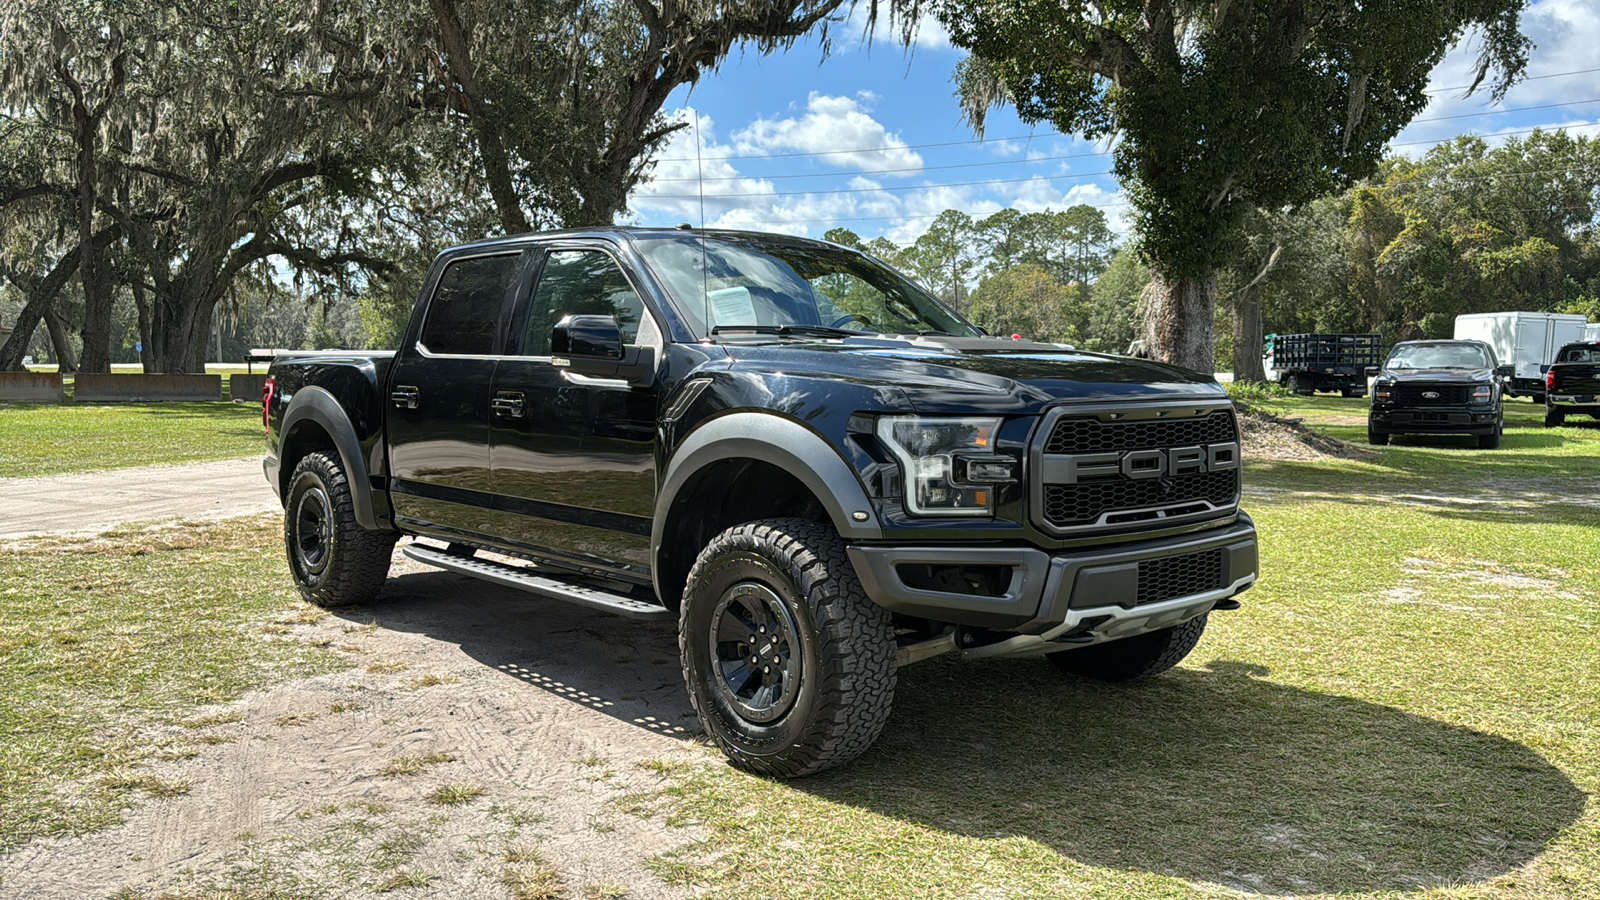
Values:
[(552, 711), (94, 501), (334, 786)]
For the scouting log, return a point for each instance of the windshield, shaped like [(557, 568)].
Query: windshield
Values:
[(1438, 356), (728, 284), (1589, 354)]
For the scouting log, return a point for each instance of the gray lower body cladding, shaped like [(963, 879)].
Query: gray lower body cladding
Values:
[(1038, 591)]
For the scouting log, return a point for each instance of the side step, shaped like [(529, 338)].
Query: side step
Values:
[(525, 580)]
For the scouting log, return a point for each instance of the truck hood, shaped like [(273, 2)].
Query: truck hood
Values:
[(941, 373), (1438, 376)]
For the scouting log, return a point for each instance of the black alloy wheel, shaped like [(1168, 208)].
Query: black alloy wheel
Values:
[(313, 530), (755, 642), (334, 561), (788, 663)]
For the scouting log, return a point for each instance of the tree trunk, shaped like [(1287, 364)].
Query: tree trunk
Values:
[(62, 343), (1247, 337), (146, 345), (1177, 320)]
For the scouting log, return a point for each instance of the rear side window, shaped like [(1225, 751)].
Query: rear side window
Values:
[(580, 282), (465, 312)]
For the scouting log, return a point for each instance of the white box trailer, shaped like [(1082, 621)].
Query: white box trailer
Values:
[(1591, 332), (1524, 340)]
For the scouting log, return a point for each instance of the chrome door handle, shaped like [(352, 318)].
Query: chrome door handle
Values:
[(406, 397), (507, 403)]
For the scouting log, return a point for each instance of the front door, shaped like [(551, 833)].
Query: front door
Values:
[(574, 457), (438, 417)]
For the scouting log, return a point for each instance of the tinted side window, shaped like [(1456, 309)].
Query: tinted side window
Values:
[(580, 283), (465, 312)]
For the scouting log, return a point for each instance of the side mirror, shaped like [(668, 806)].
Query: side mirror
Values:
[(1508, 371), (1372, 371), (1543, 368), (590, 337), (592, 346)]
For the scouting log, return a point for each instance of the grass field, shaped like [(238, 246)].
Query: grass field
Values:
[(101, 637), (48, 439), (1407, 705)]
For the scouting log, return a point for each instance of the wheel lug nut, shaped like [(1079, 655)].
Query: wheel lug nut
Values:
[(765, 670), (776, 661)]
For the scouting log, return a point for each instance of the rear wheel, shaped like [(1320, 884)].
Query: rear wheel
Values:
[(1135, 658), (334, 561), (1554, 417), (788, 664)]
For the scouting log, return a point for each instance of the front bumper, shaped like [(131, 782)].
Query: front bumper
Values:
[(1129, 589), (1433, 420)]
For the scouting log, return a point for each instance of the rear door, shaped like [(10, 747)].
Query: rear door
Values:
[(438, 422), (1533, 336), (574, 457)]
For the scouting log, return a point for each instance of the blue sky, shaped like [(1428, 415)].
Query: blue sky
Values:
[(794, 142)]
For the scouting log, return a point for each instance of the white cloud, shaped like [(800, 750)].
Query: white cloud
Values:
[(1565, 33), (839, 127), (928, 34)]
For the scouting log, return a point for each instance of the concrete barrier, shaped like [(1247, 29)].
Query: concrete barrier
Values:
[(31, 387), (141, 388), (246, 387)]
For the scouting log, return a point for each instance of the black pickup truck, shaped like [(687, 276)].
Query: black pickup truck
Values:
[(1572, 383), (1438, 387), (814, 468)]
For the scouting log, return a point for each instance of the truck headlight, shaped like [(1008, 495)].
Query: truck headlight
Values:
[(1482, 393), (949, 463)]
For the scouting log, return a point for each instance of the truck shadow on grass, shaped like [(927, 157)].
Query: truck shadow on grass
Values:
[(1211, 775), (1208, 775)]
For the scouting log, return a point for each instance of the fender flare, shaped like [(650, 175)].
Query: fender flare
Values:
[(782, 442), (321, 407)]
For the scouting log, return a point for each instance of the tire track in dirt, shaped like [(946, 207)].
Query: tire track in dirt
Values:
[(550, 709)]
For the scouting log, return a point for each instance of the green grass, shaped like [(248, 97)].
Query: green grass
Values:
[(1408, 705), (50, 439), (101, 637)]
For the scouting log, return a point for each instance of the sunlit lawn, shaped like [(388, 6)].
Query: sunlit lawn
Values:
[(48, 438), (1408, 704)]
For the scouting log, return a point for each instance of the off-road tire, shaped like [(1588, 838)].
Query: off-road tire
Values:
[(1135, 658), (334, 561), (1489, 441), (1377, 438), (1554, 418), (844, 644)]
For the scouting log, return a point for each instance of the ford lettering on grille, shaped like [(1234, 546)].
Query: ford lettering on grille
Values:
[(1134, 468), (1071, 469)]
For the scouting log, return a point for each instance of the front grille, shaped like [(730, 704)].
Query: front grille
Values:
[(1066, 505), (1090, 435), (1448, 394), (1179, 576)]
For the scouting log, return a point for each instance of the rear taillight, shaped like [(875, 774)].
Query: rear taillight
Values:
[(1550, 380), (266, 401)]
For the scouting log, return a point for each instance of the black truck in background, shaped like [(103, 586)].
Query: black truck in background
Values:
[(1308, 363), (811, 466), (1572, 383)]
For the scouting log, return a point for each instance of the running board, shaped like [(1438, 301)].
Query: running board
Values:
[(524, 580)]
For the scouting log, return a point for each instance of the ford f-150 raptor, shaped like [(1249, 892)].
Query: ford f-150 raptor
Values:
[(816, 469)]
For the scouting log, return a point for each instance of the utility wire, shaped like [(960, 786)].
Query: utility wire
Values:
[(1040, 134)]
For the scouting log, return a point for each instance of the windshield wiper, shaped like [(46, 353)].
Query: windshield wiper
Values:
[(822, 330)]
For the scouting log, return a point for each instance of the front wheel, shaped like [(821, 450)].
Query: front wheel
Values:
[(1135, 658), (1489, 441), (334, 561), (788, 664), (1377, 438)]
